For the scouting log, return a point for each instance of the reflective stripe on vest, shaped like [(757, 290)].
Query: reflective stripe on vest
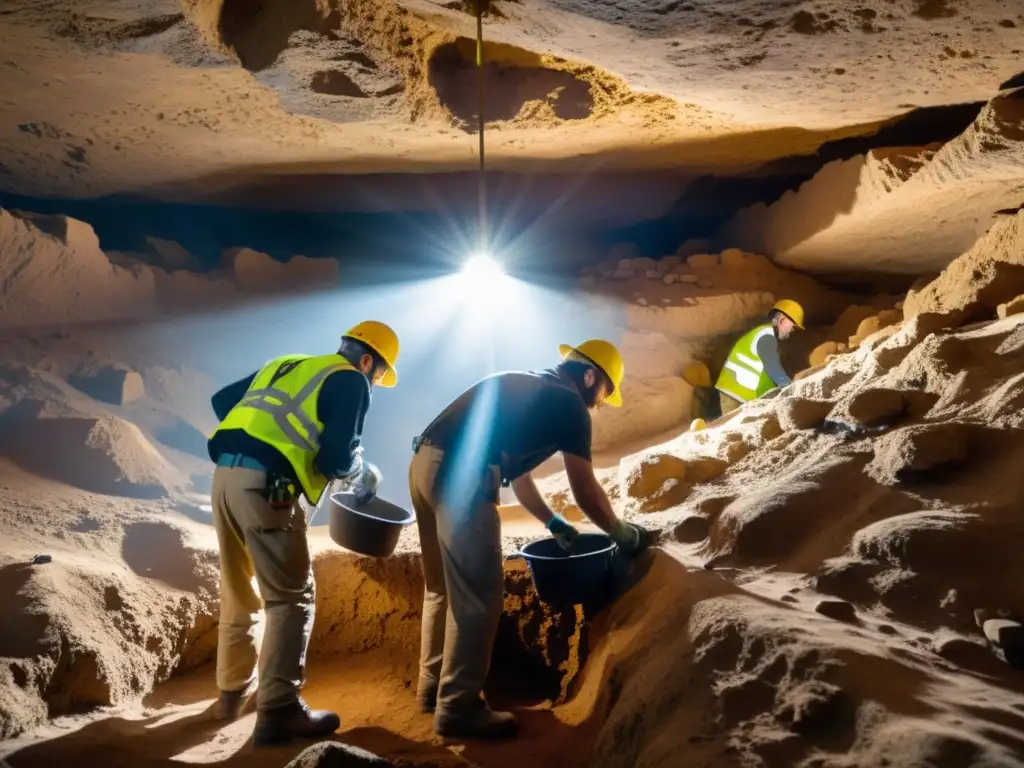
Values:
[(743, 376), (289, 399)]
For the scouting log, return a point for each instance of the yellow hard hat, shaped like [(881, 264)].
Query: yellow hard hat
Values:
[(792, 310), (605, 356), (696, 374), (382, 340)]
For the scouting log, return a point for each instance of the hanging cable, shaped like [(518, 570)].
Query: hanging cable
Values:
[(481, 185)]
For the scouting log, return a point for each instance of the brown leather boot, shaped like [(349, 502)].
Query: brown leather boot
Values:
[(229, 705), (426, 696), (293, 721), (477, 721)]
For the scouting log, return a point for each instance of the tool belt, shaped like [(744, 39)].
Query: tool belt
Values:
[(281, 492)]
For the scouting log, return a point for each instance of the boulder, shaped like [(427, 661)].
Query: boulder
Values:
[(733, 257), (796, 413), (702, 261), (822, 352), (258, 273), (108, 382), (670, 278), (693, 246)]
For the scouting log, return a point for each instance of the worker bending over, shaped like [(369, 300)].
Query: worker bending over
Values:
[(494, 433), (754, 366), (288, 429)]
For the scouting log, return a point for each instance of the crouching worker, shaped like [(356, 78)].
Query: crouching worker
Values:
[(288, 429), (754, 366), (496, 432)]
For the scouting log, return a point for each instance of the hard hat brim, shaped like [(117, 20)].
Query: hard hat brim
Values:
[(389, 379), (615, 398)]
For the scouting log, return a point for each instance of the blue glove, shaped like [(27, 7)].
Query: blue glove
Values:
[(563, 532)]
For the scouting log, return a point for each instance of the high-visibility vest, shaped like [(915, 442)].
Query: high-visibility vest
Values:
[(743, 377), (280, 409)]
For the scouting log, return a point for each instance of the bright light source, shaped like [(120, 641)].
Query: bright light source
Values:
[(482, 269)]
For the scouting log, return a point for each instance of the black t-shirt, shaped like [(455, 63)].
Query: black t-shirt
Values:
[(516, 420)]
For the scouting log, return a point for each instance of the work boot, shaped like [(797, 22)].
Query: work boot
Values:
[(426, 696), (293, 721), (229, 705), (477, 721)]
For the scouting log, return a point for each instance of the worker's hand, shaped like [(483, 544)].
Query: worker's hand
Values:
[(630, 537), (564, 533), (365, 487)]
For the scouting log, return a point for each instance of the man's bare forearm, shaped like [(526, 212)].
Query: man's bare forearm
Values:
[(529, 496)]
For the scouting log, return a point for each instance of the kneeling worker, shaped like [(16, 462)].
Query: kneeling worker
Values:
[(288, 429), (754, 366), (497, 432)]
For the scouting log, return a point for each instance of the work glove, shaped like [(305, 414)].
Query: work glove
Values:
[(630, 538), (564, 533), (365, 486)]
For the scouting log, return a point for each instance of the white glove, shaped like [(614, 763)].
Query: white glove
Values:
[(365, 487)]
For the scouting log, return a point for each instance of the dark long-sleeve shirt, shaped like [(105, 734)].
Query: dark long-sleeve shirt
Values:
[(341, 407), (768, 353)]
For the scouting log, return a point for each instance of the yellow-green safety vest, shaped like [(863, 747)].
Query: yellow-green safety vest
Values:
[(743, 376), (279, 409)]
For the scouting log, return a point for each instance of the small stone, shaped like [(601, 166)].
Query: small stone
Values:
[(688, 278), (692, 529), (789, 599), (670, 278), (702, 260), (840, 610), (704, 283), (642, 301), (42, 559)]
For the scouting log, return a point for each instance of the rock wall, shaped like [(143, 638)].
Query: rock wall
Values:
[(53, 272), (677, 310), (865, 214)]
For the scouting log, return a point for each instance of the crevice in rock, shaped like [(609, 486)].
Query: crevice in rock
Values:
[(514, 79)]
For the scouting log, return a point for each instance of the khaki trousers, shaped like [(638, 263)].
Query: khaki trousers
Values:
[(729, 404), (270, 544), (464, 582)]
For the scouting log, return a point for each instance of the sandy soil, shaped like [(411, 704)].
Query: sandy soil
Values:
[(812, 600), (110, 97)]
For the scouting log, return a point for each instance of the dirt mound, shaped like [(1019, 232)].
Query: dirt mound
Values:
[(103, 454), (81, 633), (52, 271)]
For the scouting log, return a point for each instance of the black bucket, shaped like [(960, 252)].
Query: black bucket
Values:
[(370, 529), (585, 576)]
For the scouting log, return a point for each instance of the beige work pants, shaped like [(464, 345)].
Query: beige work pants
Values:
[(270, 544), (729, 404), (464, 582)]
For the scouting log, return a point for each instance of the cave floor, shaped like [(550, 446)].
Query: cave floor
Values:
[(373, 695)]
